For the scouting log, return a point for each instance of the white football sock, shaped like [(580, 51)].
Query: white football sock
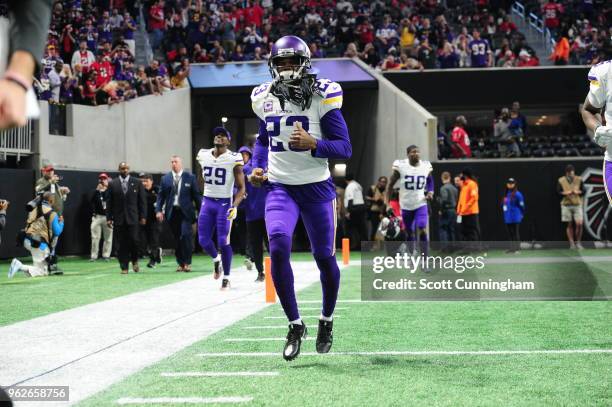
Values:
[(296, 322), (218, 258), (324, 318)]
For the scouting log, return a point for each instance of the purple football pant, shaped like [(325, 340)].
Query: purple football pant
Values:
[(415, 221), (608, 179), (282, 212), (213, 215)]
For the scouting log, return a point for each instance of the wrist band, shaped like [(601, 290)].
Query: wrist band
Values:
[(17, 79)]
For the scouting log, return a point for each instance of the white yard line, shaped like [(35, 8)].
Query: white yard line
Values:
[(219, 374), (419, 353), (319, 308), (183, 400), (268, 327), (93, 346)]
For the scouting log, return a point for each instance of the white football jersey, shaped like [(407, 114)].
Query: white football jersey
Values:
[(294, 166), (413, 180), (600, 91), (218, 172)]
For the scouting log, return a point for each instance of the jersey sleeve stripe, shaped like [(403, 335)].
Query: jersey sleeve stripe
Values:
[(332, 100), (331, 95), (592, 78)]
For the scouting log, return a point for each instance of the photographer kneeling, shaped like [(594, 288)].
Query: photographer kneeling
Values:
[(43, 225)]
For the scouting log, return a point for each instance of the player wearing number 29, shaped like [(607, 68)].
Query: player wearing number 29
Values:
[(300, 128), (600, 96), (416, 188), (220, 169)]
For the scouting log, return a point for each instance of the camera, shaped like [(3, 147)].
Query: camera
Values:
[(34, 203)]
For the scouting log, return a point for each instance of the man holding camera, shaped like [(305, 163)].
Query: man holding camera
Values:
[(43, 226), (99, 227), (49, 182)]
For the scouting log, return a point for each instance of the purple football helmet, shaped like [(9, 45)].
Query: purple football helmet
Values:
[(294, 47)]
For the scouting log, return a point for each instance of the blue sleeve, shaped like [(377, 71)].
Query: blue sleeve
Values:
[(260, 152), (429, 186), (336, 142), (521, 202), (57, 226)]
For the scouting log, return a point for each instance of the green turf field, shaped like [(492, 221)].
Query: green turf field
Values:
[(529, 379), (84, 283)]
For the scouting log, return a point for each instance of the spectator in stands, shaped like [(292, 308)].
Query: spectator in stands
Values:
[(407, 35), (506, 141), (369, 55), (448, 56), (460, 141), (355, 212), (552, 14), (84, 57), (390, 64), (55, 81), (43, 226), (406, 63), (375, 199), (447, 212), (513, 207), (526, 59), (68, 42), (128, 27), (480, 51), (426, 54), (386, 35), (157, 24), (99, 227), (560, 55), (571, 188), (468, 210), (516, 114), (351, 51)]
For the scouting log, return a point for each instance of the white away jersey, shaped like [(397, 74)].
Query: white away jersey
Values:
[(600, 91), (218, 172), (294, 166), (412, 183)]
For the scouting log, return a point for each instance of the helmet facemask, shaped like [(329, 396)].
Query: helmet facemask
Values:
[(291, 79)]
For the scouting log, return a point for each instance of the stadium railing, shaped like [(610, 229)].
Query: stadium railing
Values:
[(535, 22), (17, 141)]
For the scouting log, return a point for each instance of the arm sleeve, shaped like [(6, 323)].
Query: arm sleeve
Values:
[(521, 202), (429, 186), (260, 152), (30, 23), (597, 87), (57, 226), (336, 143)]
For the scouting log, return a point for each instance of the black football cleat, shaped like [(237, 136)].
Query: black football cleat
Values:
[(218, 269), (260, 277), (225, 284), (325, 336), (294, 341)]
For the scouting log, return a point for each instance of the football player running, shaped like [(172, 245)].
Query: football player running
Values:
[(300, 128), (416, 188), (221, 168), (598, 99)]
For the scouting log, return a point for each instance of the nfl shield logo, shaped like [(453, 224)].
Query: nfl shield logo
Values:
[(267, 106)]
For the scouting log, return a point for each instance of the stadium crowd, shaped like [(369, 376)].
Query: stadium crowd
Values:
[(90, 54)]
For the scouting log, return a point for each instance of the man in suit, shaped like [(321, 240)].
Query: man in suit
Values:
[(178, 194), (126, 209)]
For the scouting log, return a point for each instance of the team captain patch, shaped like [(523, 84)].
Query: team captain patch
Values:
[(268, 106)]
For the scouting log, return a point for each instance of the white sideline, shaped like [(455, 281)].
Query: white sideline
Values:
[(93, 346), (267, 327), (183, 400), (261, 339), (319, 308), (301, 316), (217, 374), (419, 353)]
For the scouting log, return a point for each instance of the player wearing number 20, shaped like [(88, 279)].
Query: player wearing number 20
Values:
[(220, 169), (416, 188), (300, 128)]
